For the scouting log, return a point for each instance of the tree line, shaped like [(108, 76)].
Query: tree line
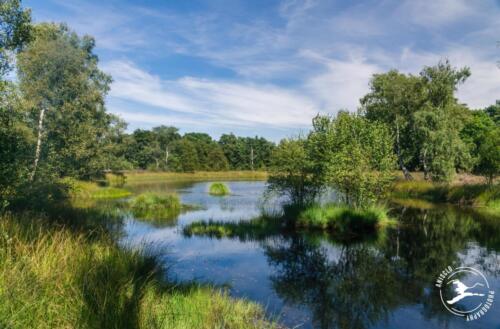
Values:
[(407, 122), (54, 123), (163, 148)]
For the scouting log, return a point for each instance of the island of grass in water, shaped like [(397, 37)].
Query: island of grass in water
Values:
[(219, 189)]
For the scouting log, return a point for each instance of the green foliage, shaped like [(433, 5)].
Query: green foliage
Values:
[(15, 32), (156, 207), (219, 189), (58, 73), (292, 172), (354, 156), (489, 155), (425, 118), (239, 151), (186, 157), (16, 141)]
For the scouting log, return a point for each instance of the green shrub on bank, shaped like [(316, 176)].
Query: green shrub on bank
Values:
[(343, 219), (219, 189), (154, 206), (53, 277)]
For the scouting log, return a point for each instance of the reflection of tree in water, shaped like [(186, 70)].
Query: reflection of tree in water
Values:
[(355, 289), (356, 286)]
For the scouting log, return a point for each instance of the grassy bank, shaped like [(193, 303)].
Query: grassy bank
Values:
[(473, 195), (137, 177), (52, 276), (218, 189), (92, 190), (342, 219)]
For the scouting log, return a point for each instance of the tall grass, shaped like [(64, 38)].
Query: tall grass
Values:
[(155, 206), (53, 277), (343, 219), (219, 189)]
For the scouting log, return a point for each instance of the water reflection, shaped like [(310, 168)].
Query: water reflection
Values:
[(320, 282)]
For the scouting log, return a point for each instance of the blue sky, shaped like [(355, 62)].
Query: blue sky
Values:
[(263, 67)]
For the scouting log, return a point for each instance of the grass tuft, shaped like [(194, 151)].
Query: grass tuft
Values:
[(343, 219), (219, 189), (156, 207)]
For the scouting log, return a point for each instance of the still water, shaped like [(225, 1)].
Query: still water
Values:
[(316, 282)]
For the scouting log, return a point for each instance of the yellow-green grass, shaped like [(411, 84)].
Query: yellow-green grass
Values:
[(53, 277), (156, 206), (219, 189), (342, 219), (92, 190), (475, 195), (138, 177)]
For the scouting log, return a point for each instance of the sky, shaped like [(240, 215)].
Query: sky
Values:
[(264, 67)]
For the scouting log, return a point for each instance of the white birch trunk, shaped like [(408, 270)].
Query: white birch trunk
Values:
[(38, 143)]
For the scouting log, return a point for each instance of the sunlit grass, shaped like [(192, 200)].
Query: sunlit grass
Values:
[(156, 206), (146, 176), (92, 190), (53, 277), (344, 219), (476, 195), (219, 189)]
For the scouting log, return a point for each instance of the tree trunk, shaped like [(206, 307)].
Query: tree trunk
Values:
[(166, 157), (251, 157), (424, 165), (38, 143), (400, 157)]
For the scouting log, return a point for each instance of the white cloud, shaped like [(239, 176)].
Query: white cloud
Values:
[(212, 101)]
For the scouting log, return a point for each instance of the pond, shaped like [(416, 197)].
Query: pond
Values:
[(313, 281)]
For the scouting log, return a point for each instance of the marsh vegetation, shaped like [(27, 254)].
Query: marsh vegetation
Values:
[(78, 208), (219, 189)]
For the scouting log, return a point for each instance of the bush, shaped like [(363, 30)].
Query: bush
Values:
[(153, 206), (219, 189)]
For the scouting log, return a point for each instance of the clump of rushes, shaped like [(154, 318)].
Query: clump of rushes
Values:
[(153, 206), (343, 219), (219, 189)]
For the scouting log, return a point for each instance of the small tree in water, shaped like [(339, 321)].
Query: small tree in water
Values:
[(348, 153), (354, 156), (292, 172)]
